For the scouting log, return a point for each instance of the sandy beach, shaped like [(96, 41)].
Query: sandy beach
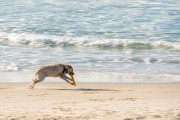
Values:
[(90, 101)]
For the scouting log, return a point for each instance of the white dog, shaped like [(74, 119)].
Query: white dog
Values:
[(56, 70)]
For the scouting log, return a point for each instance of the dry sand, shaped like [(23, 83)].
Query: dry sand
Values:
[(90, 101)]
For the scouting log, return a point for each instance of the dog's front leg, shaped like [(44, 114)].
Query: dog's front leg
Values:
[(64, 78), (67, 77)]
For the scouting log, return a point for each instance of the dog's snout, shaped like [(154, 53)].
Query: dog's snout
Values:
[(71, 73)]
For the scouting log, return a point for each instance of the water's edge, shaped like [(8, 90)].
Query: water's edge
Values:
[(26, 76)]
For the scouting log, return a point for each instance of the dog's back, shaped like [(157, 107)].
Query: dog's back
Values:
[(50, 70)]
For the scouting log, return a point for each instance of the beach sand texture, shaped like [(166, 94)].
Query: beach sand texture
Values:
[(90, 101)]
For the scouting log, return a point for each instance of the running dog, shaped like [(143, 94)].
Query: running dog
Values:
[(56, 70)]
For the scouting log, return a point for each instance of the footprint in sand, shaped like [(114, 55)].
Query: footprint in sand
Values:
[(156, 116), (178, 116), (102, 100), (3, 88), (128, 119), (129, 99), (62, 109), (137, 118), (140, 118)]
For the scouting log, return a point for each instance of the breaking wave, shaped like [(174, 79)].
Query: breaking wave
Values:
[(41, 40)]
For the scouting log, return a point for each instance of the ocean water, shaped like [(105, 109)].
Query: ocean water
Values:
[(104, 40)]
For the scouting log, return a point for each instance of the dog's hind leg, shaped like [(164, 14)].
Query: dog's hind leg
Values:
[(32, 84), (39, 78)]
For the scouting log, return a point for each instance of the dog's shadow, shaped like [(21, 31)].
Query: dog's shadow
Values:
[(84, 89)]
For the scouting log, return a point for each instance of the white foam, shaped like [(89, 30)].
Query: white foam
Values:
[(42, 40), (147, 60), (126, 77), (26, 76), (8, 66)]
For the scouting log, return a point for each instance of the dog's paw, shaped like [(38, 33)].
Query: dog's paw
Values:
[(31, 87)]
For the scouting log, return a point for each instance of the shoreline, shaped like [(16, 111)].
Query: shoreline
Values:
[(91, 77), (126, 101)]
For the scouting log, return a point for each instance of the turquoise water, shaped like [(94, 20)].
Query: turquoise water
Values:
[(129, 40)]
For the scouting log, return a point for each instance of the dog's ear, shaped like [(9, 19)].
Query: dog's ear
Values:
[(69, 66)]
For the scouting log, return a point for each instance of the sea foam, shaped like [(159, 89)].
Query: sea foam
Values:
[(43, 40)]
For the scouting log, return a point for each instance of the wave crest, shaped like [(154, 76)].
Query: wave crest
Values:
[(40, 40)]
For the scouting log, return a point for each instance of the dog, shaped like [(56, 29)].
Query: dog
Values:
[(55, 70)]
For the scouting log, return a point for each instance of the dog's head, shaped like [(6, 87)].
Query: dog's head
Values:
[(70, 70)]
